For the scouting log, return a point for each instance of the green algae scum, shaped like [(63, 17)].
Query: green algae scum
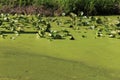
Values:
[(59, 48)]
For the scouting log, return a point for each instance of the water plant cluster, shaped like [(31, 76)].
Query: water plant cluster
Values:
[(56, 28), (30, 24)]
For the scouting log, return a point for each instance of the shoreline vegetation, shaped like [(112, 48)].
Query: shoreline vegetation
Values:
[(57, 7)]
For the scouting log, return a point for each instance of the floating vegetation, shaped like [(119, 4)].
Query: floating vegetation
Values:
[(46, 27)]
